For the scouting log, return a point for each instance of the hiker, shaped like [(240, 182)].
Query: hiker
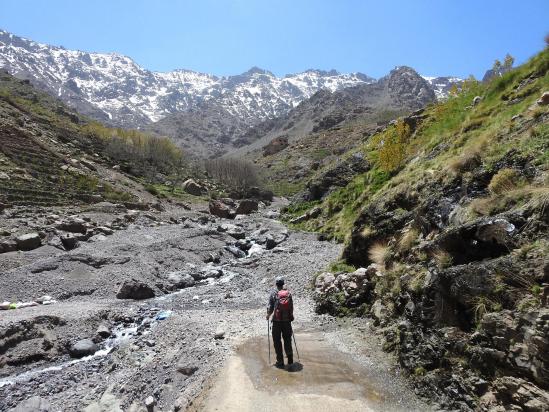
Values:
[(281, 307)]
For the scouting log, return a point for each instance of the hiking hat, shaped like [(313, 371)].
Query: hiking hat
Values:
[(279, 281)]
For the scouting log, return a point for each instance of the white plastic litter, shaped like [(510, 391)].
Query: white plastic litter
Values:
[(20, 305)]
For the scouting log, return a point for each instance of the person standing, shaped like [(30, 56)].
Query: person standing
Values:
[(281, 306)]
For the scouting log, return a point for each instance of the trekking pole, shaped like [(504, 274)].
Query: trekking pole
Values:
[(295, 343), (269, 340)]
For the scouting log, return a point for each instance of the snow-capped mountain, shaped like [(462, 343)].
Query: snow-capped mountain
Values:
[(113, 88), (442, 85)]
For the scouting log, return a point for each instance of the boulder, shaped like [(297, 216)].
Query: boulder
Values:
[(28, 241), (207, 273), (270, 242), (69, 242), (379, 311), (180, 280), (236, 252), (247, 206), (103, 331), (211, 258), (84, 347), (236, 233), (243, 244), (45, 298), (8, 245), (134, 289), (311, 214), (107, 231), (193, 188), (73, 225), (220, 209), (544, 99), (150, 402)]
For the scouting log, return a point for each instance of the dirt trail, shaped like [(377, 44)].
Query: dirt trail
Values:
[(325, 379)]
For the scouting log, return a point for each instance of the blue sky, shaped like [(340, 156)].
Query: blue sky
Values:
[(436, 37)]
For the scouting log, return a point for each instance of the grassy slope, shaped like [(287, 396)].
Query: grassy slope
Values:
[(453, 133)]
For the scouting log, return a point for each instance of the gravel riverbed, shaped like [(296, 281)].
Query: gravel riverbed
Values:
[(210, 278)]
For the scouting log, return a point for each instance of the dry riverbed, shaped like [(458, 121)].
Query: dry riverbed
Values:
[(198, 344)]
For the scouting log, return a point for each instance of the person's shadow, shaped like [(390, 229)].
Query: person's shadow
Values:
[(295, 367)]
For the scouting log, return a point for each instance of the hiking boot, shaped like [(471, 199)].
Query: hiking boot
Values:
[(279, 365)]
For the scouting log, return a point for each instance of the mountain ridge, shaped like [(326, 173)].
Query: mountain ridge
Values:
[(113, 88)]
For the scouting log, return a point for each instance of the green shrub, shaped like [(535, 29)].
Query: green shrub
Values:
[(340, 266), (392, 146), (152, 190)]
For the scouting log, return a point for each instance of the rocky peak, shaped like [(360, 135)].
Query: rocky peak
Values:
[(404, 83)]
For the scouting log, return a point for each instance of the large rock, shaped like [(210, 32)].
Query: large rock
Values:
[(236, 232), (28, 241), (180, 280), (193, 188), (247, 206), (544, 99), (379, 311), (8, 245), (69, 242), (220, 209), (134, 289), (84, 347), (270, 242), (103, 331), (73, 225), (207, 272), (260, 194), (235, 251)]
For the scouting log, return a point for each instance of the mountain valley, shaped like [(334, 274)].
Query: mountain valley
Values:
[(145, 215)]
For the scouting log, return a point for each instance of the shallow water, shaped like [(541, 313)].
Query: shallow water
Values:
[(324, 379)]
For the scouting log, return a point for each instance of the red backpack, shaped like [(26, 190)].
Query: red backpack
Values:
[(283, 307)]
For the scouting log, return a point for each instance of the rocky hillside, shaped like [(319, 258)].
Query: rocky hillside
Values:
[(291, 149), (444, 215)]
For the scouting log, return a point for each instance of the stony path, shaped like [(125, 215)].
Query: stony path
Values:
[(167, 350)]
